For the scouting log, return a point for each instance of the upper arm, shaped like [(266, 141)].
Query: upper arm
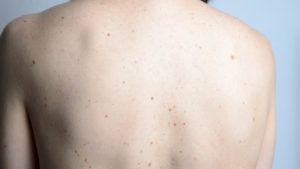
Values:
[(17, 150), (266, 156)]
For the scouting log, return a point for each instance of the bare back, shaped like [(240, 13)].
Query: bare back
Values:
[(149, 84)]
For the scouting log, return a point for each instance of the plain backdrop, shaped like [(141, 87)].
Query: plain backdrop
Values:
[(279, 21)]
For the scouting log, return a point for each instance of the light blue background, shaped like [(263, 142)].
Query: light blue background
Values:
[(279, 21)]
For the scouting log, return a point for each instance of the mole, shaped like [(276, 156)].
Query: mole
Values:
[(123, 82), (106, 115), (169, 109), (24, 21), (33, 61), (85, 160), (152, 98), (232, 57), (253, 118), (62, 17), (174, 107), (108, 34), (132, 30), (151, 142), (244, 102), (174, 124), (149, 164), (90, 166), (183, 123)]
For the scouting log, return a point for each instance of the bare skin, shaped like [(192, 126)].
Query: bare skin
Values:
[(172, 84)]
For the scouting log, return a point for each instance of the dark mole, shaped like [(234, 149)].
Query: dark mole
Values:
[(33, 61), (62, 17), (232, 57), (152, 98), (108, 34), (106, 115), (169, 109), (149, 164)]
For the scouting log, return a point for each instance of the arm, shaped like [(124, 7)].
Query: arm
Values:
[(265, 159), (17, 150)]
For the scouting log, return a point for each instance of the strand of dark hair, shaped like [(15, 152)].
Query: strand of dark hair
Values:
[(206, 1)]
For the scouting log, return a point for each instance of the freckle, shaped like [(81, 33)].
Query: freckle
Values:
[(180, 151), (123, 82), (169, 109), (132, 30), (174, 124), (33, 61), (174, 107), (62, 17), (85, 160), (244, 102), (232, 57), (108, 34), (152, 98), (200, 47), (90, 166), (253, 119), (106, 115), (24, 21), (183, 123), (149, 164), (151, 142)]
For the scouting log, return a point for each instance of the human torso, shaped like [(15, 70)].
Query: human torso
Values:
[(140, 87)]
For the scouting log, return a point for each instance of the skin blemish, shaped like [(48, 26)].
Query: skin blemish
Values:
[(232, 57), (195, 158), (220, 106), (24, 21), (174, 107), (132, 30), (106, 116), (85, 160), (184, 123), (169, 109), (151, 142), (62, 50), (108, 34), (253, 118), (141, 151), (133, 99), (180, 151), (174, 124), (152, 98), (62, 17), (149, 164), (90, 166), (169, 124), (33, 61), (244, 102), (123, 82)]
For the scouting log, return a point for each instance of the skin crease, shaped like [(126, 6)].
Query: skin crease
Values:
[(136, 84)]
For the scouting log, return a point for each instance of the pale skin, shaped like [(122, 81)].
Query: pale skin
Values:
[(170, 84)]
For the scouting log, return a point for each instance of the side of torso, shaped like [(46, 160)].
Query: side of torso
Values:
[(161, 90)]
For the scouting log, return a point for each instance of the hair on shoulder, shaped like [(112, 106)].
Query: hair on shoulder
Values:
[(206, 1)]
